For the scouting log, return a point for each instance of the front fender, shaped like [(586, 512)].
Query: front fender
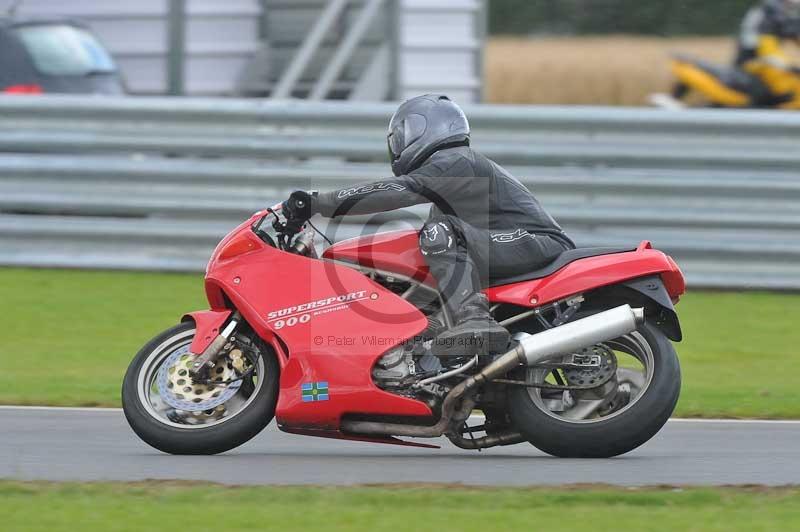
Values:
[(208, 324)]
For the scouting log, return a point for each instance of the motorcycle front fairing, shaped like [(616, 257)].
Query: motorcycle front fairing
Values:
[(327, 323)]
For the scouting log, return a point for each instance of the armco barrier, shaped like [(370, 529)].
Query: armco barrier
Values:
[(152, 183)]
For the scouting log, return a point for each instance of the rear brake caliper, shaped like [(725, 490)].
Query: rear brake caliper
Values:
[(588, 370), (591, 368)]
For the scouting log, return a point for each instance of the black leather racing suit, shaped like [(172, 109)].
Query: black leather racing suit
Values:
[(483, 223)]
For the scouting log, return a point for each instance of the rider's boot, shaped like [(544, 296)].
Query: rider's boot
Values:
[(475, 331)]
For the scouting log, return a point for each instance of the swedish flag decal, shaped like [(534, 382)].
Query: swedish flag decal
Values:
[(315, 391)]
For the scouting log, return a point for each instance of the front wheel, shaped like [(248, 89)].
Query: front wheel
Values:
[(178, 415), (641, 381)]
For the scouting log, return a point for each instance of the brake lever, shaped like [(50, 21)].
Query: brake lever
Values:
[(286, 232)]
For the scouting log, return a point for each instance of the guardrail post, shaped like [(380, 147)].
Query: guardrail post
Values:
[(481, 31), (394, 40), (176, 46), (263, 20)]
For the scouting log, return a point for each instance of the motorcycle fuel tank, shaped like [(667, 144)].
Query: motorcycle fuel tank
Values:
[(394, 251)]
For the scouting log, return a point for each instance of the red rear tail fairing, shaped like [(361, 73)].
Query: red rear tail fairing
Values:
[(592, 273)]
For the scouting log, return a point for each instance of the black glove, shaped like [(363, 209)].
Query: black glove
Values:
[(298, 209)]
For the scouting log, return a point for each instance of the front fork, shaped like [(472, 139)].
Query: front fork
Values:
[(211, 352)]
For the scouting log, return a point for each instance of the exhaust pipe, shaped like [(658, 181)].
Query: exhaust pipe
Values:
[(552, 343), (566, 339), (572, 337)]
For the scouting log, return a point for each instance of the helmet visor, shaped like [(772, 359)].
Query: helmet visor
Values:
[(396, 142)]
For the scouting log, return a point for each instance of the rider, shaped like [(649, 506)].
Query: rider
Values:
[(761, 53), (482, 224)]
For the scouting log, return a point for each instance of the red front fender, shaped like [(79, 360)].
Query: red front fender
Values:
[(208, 324)]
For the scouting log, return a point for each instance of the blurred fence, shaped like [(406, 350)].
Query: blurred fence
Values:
[(154, 183)]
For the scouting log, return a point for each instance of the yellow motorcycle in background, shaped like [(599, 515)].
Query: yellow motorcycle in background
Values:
[(757, 84)]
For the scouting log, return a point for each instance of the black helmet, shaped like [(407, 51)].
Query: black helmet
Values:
[(786, 15), (421, 126), (789, 8)]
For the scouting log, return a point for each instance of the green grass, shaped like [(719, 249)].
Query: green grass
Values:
[(40, 507), (69, 335)]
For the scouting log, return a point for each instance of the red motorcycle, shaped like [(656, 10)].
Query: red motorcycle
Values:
[(338, 346)]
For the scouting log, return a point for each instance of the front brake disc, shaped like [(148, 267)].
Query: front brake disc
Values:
[(176, 388)]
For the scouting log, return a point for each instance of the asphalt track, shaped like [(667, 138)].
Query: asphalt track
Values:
[(88, 445)]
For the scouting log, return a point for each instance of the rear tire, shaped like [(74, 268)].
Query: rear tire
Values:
[(620, 433), (218, 438)]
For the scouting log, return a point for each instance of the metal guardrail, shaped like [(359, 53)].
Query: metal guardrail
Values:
[(154, 183)]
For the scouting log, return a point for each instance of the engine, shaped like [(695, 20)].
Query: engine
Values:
[(412, 370), (395, 370)]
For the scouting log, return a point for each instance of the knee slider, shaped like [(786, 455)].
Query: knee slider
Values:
[(437, 237)]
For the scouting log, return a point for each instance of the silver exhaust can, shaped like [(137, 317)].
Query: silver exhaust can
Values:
[(578, 335)]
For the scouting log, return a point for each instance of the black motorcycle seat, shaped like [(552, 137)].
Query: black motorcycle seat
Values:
[(562, 260)]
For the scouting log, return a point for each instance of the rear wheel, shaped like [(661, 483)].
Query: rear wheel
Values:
[(177, 415), (640, 376)]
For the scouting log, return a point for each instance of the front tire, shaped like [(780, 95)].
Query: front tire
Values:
[(620, 432), (166, 432)]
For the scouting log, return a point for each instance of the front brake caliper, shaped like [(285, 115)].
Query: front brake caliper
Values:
[(178, 390)]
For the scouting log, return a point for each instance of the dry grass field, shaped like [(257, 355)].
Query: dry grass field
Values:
[(619, 70)]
